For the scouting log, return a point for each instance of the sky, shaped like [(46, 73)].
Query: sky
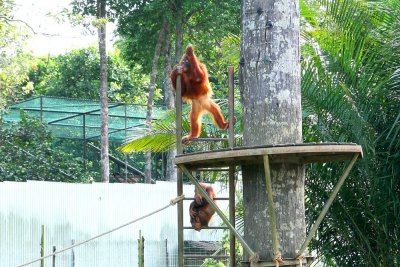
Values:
[(53, 38)]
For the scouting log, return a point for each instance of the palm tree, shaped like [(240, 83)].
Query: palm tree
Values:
[(350, 88)]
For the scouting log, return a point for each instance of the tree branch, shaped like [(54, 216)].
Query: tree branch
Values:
[(8, 20)]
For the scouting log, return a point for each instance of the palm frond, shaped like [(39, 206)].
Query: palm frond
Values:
[(153, 142), (350, 89), (162, 135)]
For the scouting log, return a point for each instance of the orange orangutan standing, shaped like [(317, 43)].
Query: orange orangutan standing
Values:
[(196, 90)]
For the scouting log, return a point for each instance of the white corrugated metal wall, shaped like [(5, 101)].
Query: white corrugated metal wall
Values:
[(81, 211)]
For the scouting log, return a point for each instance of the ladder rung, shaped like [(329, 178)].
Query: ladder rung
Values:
[(216, 198), (212, 170), (197, 256), (205, 228), (210, 139)]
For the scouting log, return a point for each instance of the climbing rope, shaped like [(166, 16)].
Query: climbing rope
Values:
[(171, 203)]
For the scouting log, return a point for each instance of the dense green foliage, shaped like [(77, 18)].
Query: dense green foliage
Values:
[(27, 152), (76, 74), (351, 93), (208, 25), (14, 64), (204, 23)]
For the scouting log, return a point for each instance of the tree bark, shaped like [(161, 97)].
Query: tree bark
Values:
[(105, 166), (152, 85), (170, 170), (270, 92)]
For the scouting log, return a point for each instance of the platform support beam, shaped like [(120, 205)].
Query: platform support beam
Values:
[(232, 205), (327, 206), (232, 249), (271, 207)]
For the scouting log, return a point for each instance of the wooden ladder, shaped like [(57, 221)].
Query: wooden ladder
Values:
[(231, 170)]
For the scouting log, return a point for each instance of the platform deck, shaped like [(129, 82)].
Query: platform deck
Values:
[(287, 153)]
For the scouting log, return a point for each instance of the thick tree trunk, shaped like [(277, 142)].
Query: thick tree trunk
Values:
[(270, 91), (152, 85), (170, 170), (105, 166)]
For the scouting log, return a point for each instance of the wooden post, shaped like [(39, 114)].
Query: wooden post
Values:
[(42, 247), (73, 254), (179, 176), (166, 253), (231, 104), (141, 249), (54, 256), (178, 101), (232, 239)]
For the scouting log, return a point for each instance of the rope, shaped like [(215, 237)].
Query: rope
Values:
[(278, 259), (254, 259), (300, 258), (171, 203)]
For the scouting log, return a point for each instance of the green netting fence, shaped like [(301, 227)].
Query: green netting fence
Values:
[(80, 119)]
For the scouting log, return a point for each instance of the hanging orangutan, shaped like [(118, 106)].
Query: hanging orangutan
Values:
[(196, 90), (200, 210)]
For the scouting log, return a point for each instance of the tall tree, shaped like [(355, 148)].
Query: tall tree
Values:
[(101, 30), (152, 85), (14, 64), (170, 170), (270, 91)]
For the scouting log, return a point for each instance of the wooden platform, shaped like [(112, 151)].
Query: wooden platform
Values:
[(289, 153)]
